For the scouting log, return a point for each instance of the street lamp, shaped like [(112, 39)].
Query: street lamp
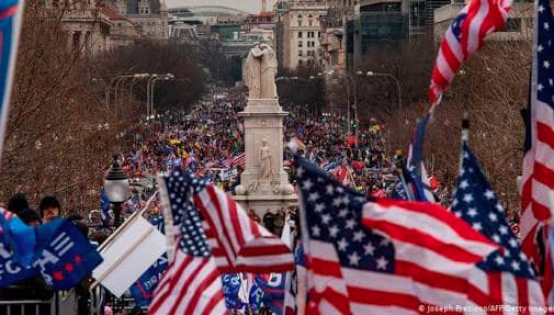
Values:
[(136, 76), (399, 94), (150, 91), (165, 77), (116, 186)]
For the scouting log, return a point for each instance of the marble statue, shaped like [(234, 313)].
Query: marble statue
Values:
[(260, 71), (266, 173)]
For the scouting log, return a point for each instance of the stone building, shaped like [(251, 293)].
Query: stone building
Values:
[(301, 33), (87, 25), (150, 16)]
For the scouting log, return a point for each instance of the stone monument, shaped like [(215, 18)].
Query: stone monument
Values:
[(264, 185)]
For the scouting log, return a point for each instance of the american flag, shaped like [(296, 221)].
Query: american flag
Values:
[(10, 24), (191, 284), (353, 268), (238, 243), (538, 165), (510, 278), (465, 36), (238, 161), (417, 178)]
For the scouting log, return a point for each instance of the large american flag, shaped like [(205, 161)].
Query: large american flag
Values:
[(465, 36), (538, 166), (238, 243), (502, 278), (191, 284), (353, 268)]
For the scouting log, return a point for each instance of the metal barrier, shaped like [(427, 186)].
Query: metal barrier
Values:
[(29, 307), (64, 303)]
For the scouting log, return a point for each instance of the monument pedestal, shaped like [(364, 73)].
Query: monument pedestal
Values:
[(263, 120)]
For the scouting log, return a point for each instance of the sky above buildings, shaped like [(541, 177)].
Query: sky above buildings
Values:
[(252, 6)]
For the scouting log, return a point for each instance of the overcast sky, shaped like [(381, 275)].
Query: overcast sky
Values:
[(253, 6)]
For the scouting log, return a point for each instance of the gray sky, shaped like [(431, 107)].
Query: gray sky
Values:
[(252, 6)]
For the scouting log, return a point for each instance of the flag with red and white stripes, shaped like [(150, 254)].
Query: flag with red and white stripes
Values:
[(537, 185), (191, 283), (382, 257), (236, 161), (503, 278), (465, 36), (238, 243)]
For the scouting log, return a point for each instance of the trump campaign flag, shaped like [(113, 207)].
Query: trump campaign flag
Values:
[(66, 255), (464, 37), (11, 12), (11, 269), (60, 253), (144, 287)]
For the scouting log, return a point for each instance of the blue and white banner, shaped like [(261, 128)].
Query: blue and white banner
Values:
[(11, 12)]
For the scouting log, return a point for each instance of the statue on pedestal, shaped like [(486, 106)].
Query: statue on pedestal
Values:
[(260, 71), (266, 172)]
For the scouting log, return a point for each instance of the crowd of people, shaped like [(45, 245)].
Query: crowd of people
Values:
[(207, 141)]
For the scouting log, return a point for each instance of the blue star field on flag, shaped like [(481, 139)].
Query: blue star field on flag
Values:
[(333, 213), (545, 54), (185, 214), (477, 203)]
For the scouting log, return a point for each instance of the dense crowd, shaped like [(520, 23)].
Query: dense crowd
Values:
[(207, 140)]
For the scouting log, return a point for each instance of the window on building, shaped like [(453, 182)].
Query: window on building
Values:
[(300, 63), (300, 53), (301, 44), (300, 34), (310, 22), (299, 23)]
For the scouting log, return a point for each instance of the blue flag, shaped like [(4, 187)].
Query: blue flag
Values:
[(61, 254), (105, 206), (68, 257), (10, 22), (231, 288), (143, 288), (19, 237), (10, 271), (273, 291)]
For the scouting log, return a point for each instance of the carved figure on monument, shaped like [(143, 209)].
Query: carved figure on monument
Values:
[(260, 71), (266, 172)]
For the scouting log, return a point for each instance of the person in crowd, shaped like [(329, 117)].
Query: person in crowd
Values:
[(18, 203), (50, 208)]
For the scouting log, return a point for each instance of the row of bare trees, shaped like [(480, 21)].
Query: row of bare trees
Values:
[(61, 135), (491, 89)]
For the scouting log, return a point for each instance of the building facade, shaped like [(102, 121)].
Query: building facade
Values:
[(301, 33), (150, 16)]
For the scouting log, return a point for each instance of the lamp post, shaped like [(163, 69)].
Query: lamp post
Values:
[(166, 77), (399, 90), (136, 76), (116, 186), (150, 92)]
